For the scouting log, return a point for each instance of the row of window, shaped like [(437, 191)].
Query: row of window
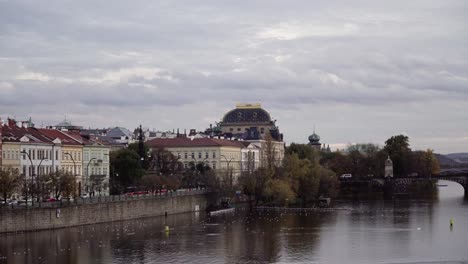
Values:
[(101, 155), (10, 154), (71, 155), (213, 165), (262, 130), (200, 155), (43, 154), (43, 170), (95, 171)]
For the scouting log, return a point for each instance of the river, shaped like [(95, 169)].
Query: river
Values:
[(401, 231)]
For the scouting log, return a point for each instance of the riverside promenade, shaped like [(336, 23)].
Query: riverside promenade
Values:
[(98, 210)]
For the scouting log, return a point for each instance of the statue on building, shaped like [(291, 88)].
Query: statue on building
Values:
[(388, 168)]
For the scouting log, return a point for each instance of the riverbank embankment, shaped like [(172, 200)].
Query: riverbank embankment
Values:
[(34, 219)]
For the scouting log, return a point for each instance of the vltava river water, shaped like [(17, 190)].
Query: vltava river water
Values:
[(404, 231)]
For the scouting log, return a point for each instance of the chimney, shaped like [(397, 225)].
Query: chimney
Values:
[(11, 122)]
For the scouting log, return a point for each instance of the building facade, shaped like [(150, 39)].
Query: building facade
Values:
[(95, 164), (225, 157), (29, 151), (249, 121), (70, 154)]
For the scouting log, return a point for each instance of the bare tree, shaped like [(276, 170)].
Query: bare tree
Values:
[(62, 184), (9, 182)]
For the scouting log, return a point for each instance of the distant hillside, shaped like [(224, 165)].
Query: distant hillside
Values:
[(458, 157), (446, 162)]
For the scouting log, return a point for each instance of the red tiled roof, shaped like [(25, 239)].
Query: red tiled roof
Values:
[(196, 142), (14, 134), (54, 133)]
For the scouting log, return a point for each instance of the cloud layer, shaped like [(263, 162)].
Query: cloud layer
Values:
[(360, 73)]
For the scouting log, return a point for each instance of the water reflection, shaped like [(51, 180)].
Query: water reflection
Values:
[(399, 231)]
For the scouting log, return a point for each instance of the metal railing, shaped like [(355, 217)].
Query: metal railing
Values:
[(104, 199)]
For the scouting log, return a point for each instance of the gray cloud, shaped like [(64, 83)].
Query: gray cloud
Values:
[(360, 73)]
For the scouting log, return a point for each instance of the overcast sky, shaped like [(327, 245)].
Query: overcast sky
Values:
[(361, 71)]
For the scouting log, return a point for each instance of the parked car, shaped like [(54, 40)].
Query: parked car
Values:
[(24, 202), (346, 176)]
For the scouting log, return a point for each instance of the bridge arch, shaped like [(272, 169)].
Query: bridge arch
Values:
[(460, 180)]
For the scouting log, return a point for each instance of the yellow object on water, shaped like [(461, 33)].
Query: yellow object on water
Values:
[(166, 228), (451, 221)]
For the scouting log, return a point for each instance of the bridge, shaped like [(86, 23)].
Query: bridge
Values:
[(459, 176)]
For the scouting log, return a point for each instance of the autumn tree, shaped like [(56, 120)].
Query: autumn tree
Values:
[(151, 182), (255, 184), (424, 163), (62, 184), (397, 147), (10, 181), (164, 162)]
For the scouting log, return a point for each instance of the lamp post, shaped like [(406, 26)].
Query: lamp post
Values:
[(87, 174), (197, 172), (25, 178), (39, 173), (229, 172), (74, 170)]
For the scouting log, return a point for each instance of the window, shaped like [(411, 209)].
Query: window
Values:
[(262, 130), (214, 155), (193, 155), (231, 129), (24, 170), (214, 165), (185, 155), (33, 154), (206, 155), (199, 155), (178, 155), (239, 129)]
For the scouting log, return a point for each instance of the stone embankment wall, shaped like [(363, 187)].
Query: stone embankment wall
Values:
[(33, 219)]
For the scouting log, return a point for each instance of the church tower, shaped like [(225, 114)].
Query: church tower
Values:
[(314, 141)]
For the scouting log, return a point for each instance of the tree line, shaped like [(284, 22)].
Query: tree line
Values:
[(304, 174)]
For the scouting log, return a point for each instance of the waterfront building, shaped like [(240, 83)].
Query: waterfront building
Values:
[(95, 164), (71, 154), (28, 150), (253, 124), (223, 156), (249, 121)]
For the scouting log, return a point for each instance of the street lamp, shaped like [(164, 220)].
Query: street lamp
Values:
[(25, 179), (74, 171), (87, 174), (229, 172), (39, 172)]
